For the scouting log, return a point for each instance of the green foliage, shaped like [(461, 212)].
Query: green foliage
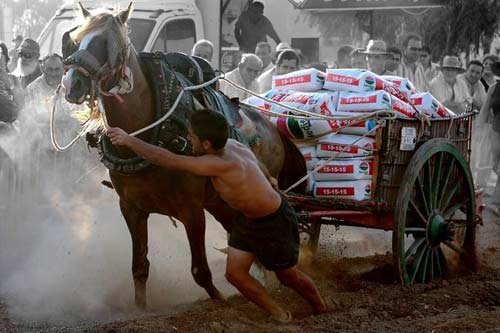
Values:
[(462, 26)]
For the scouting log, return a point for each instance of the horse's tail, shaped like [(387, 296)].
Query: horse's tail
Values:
[(294, 166)]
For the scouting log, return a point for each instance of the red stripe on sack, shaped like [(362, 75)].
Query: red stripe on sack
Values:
[(292, 80), (342, 79), (337, 191), (339, 148), (337, 169), (358, 100)]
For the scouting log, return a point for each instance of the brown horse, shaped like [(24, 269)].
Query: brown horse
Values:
[(104, 51)]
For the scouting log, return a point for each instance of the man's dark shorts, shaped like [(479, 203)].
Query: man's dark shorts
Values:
[(273, 238)]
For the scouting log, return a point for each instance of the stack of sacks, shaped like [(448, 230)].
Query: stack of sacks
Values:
[(349, 93), (349, 175), (303, 80), (364, 91)]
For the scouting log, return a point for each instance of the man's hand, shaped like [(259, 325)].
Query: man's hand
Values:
[(118, 136)]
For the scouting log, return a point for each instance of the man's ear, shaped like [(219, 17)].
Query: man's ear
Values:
[(206, 145)]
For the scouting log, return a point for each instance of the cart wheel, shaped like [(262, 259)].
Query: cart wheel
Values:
[(434, 225)]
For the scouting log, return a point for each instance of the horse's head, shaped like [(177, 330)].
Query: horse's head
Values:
[(101, 45)]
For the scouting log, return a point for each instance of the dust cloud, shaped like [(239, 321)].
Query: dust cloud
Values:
[(65, 250)]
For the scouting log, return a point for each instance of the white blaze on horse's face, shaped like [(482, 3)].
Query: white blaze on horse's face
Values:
[(77, 85)]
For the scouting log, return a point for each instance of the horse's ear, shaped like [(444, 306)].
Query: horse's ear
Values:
[(85, 13), (124, 15)]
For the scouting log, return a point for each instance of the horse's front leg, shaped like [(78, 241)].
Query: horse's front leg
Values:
[(194, 222), (137, 222)]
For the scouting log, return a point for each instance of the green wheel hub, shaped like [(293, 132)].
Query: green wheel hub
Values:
[(437, 229)]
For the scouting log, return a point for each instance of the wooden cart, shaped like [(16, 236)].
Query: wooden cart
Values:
[(426, 196)]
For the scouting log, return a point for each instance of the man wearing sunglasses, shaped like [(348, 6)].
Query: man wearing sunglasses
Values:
[(410, 67), (245, 75), (28, 66)]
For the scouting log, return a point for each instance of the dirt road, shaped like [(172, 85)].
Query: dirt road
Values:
[(363, 287)]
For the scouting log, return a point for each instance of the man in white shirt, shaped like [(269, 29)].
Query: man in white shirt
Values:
[(472, 77), (447, 89), (244, 75), (287, 62), (410, 68)]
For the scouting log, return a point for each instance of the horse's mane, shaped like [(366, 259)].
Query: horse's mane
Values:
[(97, 22)]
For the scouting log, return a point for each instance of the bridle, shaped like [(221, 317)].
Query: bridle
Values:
[(99, 75)]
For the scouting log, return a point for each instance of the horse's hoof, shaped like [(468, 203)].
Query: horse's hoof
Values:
[(218, 296)]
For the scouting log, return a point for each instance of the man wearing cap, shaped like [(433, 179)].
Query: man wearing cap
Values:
[(287, 62), (13, 53), (376, 57), (410, 67), (445, 87), (244, 75), (28, 67), (253, 27)]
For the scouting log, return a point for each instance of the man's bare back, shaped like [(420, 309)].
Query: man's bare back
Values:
[(244, 187)]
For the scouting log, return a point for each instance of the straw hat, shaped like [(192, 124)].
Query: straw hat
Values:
[(376, 46), (451, 62)]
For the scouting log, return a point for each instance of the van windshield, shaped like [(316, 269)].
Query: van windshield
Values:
[(50, 41)]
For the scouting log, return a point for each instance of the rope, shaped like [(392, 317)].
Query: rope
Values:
[(301, 180), (53, 139)]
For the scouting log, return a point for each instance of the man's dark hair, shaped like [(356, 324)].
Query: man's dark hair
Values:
[(395, 50), (262, 45), (426, 49), (5, 52), (288, 55), (409, 37), (257, 4), (475, 62), (211, 126), (344, 52), (52, 56)]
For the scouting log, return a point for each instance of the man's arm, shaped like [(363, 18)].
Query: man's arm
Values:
[(237, 31), (272, 33), (207, 165)]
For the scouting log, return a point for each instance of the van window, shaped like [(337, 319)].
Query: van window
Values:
[(176, 35)]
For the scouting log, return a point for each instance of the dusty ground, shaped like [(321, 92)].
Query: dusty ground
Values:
[(368, 298)]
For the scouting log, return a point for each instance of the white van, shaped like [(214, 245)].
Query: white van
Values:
[(155, 25)]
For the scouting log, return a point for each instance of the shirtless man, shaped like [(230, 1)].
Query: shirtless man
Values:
[(266, 227)]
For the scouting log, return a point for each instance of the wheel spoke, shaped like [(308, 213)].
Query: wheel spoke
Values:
[(414, 229), (419, 213), (431, 258), (426, 260), (449, 212), (436, 180), (417, 262), (446, 179), (442, 261), (428, 183), (413, 247), (421, 194), (453, 247), (446, 199)]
